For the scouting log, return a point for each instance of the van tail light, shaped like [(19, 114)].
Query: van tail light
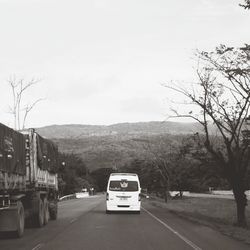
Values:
[(107, 196), (139, 197)]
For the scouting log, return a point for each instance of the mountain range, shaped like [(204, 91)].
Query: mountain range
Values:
[(114, 145), (77, 131)]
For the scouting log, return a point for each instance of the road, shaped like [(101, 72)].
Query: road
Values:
[(83, 224)]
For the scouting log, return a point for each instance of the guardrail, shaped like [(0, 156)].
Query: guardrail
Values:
[(67, 197)]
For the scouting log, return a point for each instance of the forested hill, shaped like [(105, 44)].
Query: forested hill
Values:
[(114, 145), (77, 131)]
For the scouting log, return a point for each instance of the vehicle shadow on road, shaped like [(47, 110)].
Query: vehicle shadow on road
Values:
[(102, 211), (122, 212), (7, 235), (12, 235)]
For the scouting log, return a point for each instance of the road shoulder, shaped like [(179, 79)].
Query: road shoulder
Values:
[(231, 231)]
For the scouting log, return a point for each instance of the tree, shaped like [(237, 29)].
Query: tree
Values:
[(159, 154), (222, 96), (195, 170), (246, 5), (101, 176), (184, 170), (20, 112), (147, 172), (72, 174)]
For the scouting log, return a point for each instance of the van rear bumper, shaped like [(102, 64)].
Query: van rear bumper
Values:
[(122, 207)]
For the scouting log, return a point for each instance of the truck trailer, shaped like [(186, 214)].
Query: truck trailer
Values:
[(28, 180)]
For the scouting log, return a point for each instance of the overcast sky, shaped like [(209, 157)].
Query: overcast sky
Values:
[(104, 61)]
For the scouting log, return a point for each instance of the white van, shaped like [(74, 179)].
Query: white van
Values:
[(123, 193)]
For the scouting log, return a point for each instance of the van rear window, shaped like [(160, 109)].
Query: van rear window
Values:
[(122, 185)]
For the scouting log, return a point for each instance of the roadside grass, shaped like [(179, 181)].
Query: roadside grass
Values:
[(217, 213)]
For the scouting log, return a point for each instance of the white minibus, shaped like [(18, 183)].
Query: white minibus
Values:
[(123, 193)]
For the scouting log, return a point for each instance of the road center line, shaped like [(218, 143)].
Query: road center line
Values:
[(190, 243), (37, 246)]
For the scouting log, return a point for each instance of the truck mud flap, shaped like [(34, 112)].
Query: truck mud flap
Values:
[(53, 210)]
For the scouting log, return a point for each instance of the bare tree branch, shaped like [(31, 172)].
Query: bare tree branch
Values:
[(18, 88), (28, 108)]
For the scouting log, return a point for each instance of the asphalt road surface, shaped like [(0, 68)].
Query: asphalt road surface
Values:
[(83, 224)]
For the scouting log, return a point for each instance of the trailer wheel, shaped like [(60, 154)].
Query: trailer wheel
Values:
[(20, 220), (39, 216), (46, 211), (53, 212)]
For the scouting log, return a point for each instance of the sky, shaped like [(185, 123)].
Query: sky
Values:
[(106, 61)]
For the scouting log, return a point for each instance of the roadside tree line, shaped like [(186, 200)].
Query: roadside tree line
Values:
[(73, 174), (177, 163)]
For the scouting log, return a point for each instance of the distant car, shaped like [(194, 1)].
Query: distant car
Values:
[(82, 195), (123, 193)]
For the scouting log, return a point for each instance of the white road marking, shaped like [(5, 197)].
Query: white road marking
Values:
[(38, 246), (73, 220), (190, 243)]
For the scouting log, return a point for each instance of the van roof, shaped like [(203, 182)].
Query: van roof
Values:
[(124, 174)]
